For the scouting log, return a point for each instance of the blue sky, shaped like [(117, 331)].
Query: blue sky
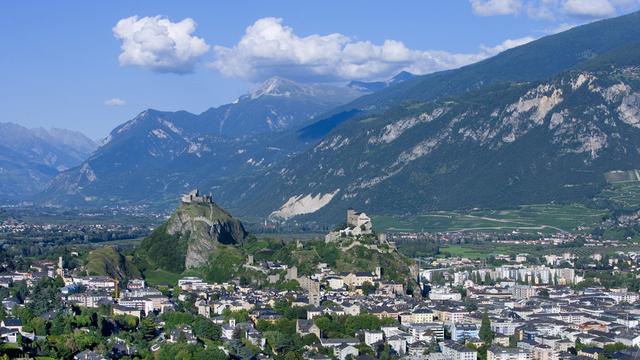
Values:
[(89, 65)]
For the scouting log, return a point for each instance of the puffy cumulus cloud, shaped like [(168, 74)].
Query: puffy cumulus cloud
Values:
[(495, 7), (269, 48), (589, 8), (158, 44), (115, 102), (554, 10)]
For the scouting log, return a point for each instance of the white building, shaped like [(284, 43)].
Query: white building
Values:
[(623, 296), (454, 351), (444, 294), (372, 337), (500, 353)]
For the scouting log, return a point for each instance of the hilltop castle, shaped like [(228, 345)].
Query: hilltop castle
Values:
[(358, 223), (194, 197), (359, 220)]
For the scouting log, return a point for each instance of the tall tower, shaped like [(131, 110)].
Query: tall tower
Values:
[(352, 219), (116, 293), (314, 294), (60, 269)]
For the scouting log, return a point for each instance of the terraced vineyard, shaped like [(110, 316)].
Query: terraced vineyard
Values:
[(547, 218), (625, 195)]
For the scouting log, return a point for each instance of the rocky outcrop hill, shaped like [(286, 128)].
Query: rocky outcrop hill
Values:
[(191, 237)]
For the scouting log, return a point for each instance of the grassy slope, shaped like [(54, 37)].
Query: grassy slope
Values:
[(162, 251), (110, 262), (356, 258)]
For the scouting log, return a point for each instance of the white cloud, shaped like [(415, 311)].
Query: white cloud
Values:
[(552, 10), (269, 48), (115, 102), (542, 9), (495, 7), (626, 5), (589, 8), (158, 44)]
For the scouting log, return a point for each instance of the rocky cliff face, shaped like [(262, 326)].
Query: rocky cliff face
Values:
[(190, 236), (508, 144), (206, 226)]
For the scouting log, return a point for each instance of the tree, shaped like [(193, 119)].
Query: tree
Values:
[(470, 305), (147, 328), (368, 288), (125, 322), (205, 329), (384, 353), (610, 349), (543, 293), (292, 356), (486, 335)]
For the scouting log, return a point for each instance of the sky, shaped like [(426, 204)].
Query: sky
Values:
[(92, 65)]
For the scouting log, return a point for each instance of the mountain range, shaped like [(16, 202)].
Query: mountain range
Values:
[(30, 158), (536, 123), (505, 145), (157, 155)]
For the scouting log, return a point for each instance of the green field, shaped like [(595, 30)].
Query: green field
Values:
[(529, 218), (482, 251), (122, 242), (155, 277)]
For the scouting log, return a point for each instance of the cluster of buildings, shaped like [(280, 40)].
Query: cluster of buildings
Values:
[(529, 321), (540, 320), (13, 232), (535, 310), (136, 299)]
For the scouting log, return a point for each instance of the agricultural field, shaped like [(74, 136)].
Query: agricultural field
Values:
[(548, 218), (483, 251), (624, 195), (621, 176), (155, 277)]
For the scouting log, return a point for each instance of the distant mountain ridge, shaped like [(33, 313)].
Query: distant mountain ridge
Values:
[(421, 161), (379, 85), (158, 155), (536, 123), (536, 60), (276, 105), (503, 145), (29, 158)]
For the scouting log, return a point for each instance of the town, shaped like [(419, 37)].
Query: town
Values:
[(514, 307), (323, 180)]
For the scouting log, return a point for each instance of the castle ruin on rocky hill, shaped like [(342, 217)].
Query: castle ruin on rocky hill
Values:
[(194, 196)]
